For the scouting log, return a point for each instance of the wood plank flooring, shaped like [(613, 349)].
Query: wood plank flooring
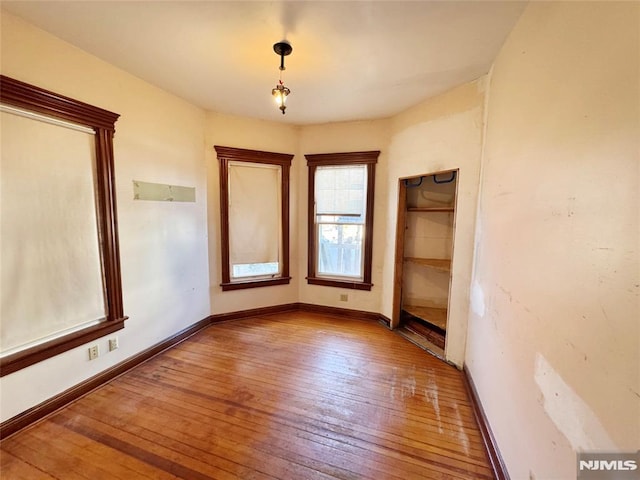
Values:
[(426, 330), (288, 396)]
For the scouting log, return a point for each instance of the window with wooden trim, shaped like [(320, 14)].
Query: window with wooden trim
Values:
[(254, 223), (60, 264), (340, 221)]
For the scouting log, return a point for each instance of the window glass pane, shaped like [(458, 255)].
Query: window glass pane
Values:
[(344, 220), (341, 190), (340, 250), (255, 269)]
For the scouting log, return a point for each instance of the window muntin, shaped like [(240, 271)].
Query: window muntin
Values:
[(340, 221), (254, 210)]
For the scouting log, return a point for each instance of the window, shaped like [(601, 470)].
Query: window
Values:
[(58, 225), (254, 209), (341, 190)]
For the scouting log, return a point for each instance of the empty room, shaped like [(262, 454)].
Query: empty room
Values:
[(320, 240)]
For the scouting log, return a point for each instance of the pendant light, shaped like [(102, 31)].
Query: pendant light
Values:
[(281, 92)]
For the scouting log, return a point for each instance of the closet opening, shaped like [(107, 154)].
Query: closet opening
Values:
[(424, 254)]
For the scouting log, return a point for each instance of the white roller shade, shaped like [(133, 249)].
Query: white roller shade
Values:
[(254, 213), (49, 254), (340, 190)]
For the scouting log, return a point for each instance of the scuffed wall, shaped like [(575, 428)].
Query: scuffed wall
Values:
[(553, 342), (442, 133)]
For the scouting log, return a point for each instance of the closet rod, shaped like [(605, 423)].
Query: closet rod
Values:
[(449, 180), (412, 185), (435, 180)]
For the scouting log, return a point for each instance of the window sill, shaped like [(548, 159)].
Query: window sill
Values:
[(255, 283), (332, 282), (33, 355)]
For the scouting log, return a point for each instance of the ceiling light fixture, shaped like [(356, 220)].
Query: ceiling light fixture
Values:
[(280, 93)]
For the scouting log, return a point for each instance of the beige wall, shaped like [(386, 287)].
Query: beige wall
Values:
[(163, 245), (553, 340), (239, 132), (344, 137), (442, 133)]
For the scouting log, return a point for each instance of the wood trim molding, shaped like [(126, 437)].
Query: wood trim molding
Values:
[(304, 307), (368, 225), (108, 223), (497, 463), (254, 312), (29, 97), (398, 272), (224, 222), (311, 223), (255, 283), (226, 154), (30, 356), (346, 158), (369, 159), (34, 414), (254, 156), (331, 282), (386, 321), (36, 99), (339, 312)]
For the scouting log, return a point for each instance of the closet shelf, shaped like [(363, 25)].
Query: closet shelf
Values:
[(440, 264), (432, 315), (429, 209)]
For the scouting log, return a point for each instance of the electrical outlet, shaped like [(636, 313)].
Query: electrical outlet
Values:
[(344, 297), (113, 344), (93, 352)]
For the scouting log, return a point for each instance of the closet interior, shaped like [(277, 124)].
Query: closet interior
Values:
[(426, 223)]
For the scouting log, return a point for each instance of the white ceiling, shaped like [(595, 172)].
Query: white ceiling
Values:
[(351, 60)]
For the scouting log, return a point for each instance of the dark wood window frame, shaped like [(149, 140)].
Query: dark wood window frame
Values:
[(226, 154), (35, 99), (349, 158)]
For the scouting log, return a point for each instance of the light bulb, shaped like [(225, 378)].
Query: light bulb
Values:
[(280, 95)]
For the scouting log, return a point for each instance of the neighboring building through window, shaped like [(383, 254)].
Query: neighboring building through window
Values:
[(254, 206), (341, 192)]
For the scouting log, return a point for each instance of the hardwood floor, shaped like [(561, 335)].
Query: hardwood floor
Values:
[(287, 396)]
